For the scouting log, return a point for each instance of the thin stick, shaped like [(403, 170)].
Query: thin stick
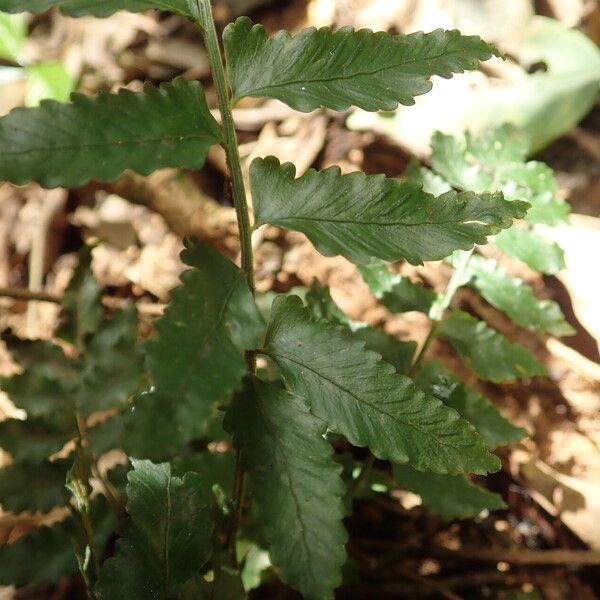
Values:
[(110, 302)]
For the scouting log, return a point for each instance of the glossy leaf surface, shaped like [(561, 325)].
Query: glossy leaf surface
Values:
[(363, 217), (364, 399), (294, 483), (100, 137), (316, 68)]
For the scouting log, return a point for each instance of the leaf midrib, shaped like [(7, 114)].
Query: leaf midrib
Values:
[(361, 401), (378, 223), (352, 75), (271, 428), (117, 144)]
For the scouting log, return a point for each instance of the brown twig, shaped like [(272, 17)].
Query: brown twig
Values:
[(110, 302)]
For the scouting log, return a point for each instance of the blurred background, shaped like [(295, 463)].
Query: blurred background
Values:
[(547, 86)]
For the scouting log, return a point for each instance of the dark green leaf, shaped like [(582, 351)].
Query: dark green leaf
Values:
[(31, 487), (40, 557), (532, 248), (395, 352), (167, 537), (374, 71), (451, 496), (106, 435), (213, 468), (148, 433), (370, 216), (45, 387), (496, 430), (398, 294), (295, 485), (196, 359), (112, 364), (364, 399), (97, 8), (81, 312), (514, 297), (489, 353), (100, 137), (33, 440)]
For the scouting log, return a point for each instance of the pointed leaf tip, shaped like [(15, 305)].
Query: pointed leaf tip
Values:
[(295, 484), (322, 68), (364, 399), (167, 536), (370, 216), (100, 137)]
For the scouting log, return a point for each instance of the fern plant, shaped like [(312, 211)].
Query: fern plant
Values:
[(493, 162), (223, 454)]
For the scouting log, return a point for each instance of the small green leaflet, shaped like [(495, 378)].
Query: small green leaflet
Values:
[(364, 399), (48, 479), (40, 557), (489, 353), (99, 137), (396, 352), (450, 496), (370, 216), (532, 248), (295, 484), (45, 387), (495, 161), (433, 378), (81, 311), (196, 357), (48, 79), (33, 440), (398, 294), (112, 365), (514, 297), (96, 8), (167, 538), (322, 68)]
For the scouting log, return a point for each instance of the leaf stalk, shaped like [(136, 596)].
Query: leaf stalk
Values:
[(230, 144), (439, 307)]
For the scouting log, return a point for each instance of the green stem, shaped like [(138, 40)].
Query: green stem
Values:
[(230, 142), (230, 145), (439, 307), (90, 572)]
